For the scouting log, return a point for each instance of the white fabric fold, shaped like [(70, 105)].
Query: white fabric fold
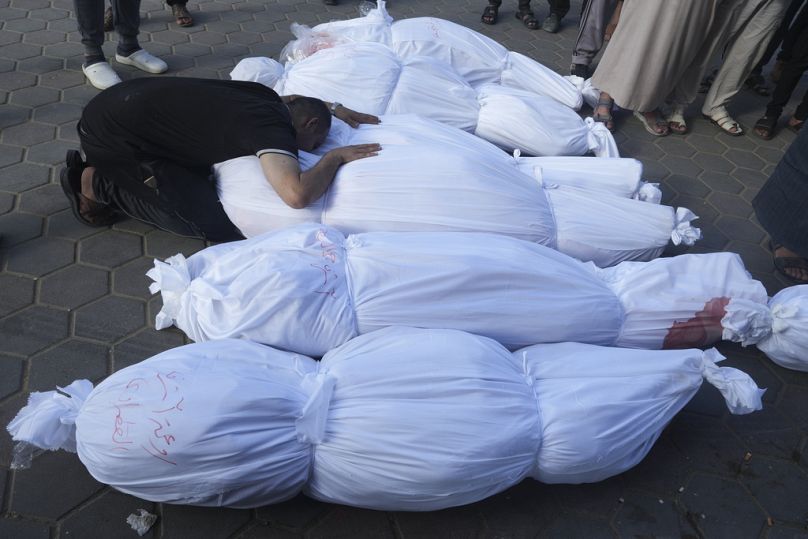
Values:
[(310, 426), (747, 322), (601, 142), (683, 231), (48, 421), (649, 192), (740, 392), (787, 345), (171, 278)]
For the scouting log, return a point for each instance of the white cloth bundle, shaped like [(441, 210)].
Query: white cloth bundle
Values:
[(400, 419), (309, 289), (371, 78), (430, 176)]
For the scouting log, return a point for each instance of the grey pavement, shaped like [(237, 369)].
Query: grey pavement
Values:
[(74, 304)]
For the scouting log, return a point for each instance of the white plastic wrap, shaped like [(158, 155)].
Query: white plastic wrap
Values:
[(616, 176), (400, 419), (430, 176), (513, 291), (527, 74)]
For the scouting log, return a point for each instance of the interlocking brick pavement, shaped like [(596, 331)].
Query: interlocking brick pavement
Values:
[(74, 303)]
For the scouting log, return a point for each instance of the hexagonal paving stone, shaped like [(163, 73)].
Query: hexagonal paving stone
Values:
[(41, 64), (767, 432), (33, 329), (41, 256), (260, 531), (73, 487), (110, 319), (297, 513), (23, 528), (191, 50), (11, 381), (62, 79), (9, 155), (687, 185), (740, 229), (58, 113), (7, 201), (50, 153), (727, 203), (707, 443), (13, 115), (65, 225), (728, 509), (351, 522), (794, 404), (462, 521), (19, 227), (714, 162), (643, 515), (744, 158), (161, 244), (131, 280), (19, 178), (48, 14), (44, 200), (681, 166), (20, 51), (66, 362), (80, 95), (44, 37), (15, 293), (192, 522), (7, 37), (28, 134), (105, 516), (73, 286), (779, 486), (110, 248), (34, 96), (64, 50), (144, 345), (170, 37)]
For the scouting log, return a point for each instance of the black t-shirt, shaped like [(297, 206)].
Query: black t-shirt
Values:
[(190, 121)]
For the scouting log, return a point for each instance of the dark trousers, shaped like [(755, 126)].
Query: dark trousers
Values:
[(790, 77), (177, 198), (783, 35), (90, 18), (559, 7), (781, 203)]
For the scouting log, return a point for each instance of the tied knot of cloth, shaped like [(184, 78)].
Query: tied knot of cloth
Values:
[(310, 425)]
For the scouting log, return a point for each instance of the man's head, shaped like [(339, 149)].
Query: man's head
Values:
[(311, 120)]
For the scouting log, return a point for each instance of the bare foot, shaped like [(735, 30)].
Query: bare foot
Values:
[(656, 122), (795, 124), (791, 268), (87, 194)]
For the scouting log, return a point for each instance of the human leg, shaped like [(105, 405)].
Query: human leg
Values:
[(181, 14), (526, 15), (745, 49), (126, 14), (558, 8), (595, 16), (790, 77), (491, 12)]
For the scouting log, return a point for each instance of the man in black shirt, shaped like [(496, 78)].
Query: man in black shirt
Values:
[(150, 144)]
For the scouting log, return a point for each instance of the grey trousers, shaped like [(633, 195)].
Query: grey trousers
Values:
[(90, 18), (748, 39), (594, 18)]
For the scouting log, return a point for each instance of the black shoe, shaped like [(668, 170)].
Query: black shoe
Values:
[(98, 215), (552, 23), (579, 70)]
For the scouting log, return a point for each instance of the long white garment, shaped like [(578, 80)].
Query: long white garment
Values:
[(430, 176), (310, 289), (400, 419)]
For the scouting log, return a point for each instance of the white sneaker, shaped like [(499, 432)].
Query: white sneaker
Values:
[(143, 61), (101, 75)]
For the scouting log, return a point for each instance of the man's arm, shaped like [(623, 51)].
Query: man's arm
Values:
[(349, 116), (297, 189)]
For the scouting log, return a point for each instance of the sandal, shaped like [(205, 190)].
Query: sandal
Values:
[(96, 214), (604, 118), (676, 121), (660, 123), (726, 123), (182, 16), (784, 263), (528, 19), (490, 14), (764, 127)]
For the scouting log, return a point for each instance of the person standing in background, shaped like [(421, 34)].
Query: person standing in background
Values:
[(558, 9), (598, 21)]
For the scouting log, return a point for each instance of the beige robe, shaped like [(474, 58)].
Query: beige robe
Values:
[(658, 51)]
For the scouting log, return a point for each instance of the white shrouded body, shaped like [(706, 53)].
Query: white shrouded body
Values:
[(400, 419)]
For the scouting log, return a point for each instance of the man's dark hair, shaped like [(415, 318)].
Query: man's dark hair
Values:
[(309, 107)]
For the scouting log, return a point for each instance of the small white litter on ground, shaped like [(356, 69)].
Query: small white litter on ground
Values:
[(142, 522)]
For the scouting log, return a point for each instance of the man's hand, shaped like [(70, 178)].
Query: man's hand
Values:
[(353, 118), (346, 154)]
